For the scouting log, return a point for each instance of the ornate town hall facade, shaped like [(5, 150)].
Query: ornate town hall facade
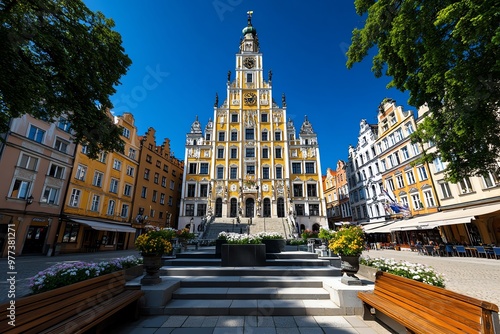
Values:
[(248, 162)]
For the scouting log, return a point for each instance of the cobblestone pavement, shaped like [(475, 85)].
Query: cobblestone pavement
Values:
[(471, 276)]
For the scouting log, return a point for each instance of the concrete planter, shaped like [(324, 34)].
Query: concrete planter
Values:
[(274, 245), (136, 271), (367, 272), (253, 255)]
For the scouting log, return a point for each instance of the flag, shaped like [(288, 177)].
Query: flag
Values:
[(392, 204)]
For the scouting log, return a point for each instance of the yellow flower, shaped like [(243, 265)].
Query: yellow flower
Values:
[(347, 241), (154, 242)]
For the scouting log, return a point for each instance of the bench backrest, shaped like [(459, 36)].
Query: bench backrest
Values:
[(41, 311), (440, 306)]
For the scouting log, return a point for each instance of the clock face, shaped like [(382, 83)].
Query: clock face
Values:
[(249, 62), (250, 98)]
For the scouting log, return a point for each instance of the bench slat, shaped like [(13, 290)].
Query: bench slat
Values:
[(91, 301), (424, 308)]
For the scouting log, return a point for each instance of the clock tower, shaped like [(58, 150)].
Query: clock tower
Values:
[(241, 167)]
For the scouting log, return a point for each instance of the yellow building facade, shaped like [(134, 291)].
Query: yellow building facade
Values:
[(98, 205), (408, 184), (248, 162)]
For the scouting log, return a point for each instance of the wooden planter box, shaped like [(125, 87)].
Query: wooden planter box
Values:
[(243, 255), (274, 245)]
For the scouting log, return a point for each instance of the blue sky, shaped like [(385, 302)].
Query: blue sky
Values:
[(182, 50)]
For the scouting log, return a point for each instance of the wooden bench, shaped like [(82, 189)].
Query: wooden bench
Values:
[(423, 308), (76, 308)]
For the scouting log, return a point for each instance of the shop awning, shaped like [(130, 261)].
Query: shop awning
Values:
[(103, 226), (462, 216), (451, 217), (371, 226)]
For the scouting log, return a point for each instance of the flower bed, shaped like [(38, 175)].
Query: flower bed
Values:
[(63, 274), (415, 271)]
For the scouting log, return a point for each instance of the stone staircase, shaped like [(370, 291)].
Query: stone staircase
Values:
[(291, 283)]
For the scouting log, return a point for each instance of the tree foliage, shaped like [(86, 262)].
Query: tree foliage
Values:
[(446, 53), (58, 58)]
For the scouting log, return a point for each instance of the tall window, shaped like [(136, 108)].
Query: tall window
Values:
[(111, 207), (191, 190), (465, 185), (146, 174), (97, 179), (422, 173), (429, 199), (296, 168), (263, 118), (36, 134), (130, 171), (189, 209), (124, 213), (249, 134), (279, 172), (405, 153), (201, 209), (251, 169), (265, 173), (233, 173), (56, 171), (234, 136), (220, 153), (28, 162), (204, 168), (117, 164), (156, 178), (222, 137), (63, 124), (489, 180), (74, 199), (50, 195), (234, 152), (192, 168), (132, 153), (113, 186), (127, 190), (297, 190), (265, 135), (277, 136), (309, 167), (234, 118), (61, 145), (144, 192), (400, 180), (220, 172), (95, 203), (410, 177), (203, 190), (438, 164), (277, 152), (311, 190), (445, 189), (265, 153), (417, 204), (250, 152), (125, 132)]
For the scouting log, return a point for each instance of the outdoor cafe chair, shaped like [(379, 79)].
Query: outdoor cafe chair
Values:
[(496, 252), (460, 250), (449, 250), (481, 251), (430, 250)]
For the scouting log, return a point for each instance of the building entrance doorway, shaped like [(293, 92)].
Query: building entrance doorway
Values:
[(249, 205)]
